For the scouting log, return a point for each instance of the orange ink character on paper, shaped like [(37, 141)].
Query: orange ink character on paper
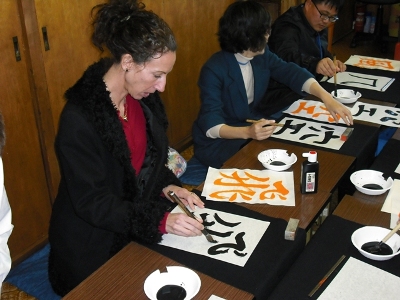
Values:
[(279, 190), (373, 62), (246, 189), (310, 110)]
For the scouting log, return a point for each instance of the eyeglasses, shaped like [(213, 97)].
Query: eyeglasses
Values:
[(324, 17)]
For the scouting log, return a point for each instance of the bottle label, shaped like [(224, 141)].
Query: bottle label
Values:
[(310, 182)]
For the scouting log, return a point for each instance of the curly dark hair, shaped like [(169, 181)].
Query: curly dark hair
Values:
[(125, 27), (243, 26)]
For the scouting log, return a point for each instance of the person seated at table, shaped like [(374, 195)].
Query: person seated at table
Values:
[(234, 80), (300, 35), (112, 149)]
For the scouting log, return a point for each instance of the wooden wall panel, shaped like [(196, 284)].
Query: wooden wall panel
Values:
[(195, 23), (180, 88), (69, 32), (25, 178), (71, 52), (286, 4)]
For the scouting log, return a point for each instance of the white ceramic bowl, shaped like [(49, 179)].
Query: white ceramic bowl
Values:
[(276, 159), (375, 234), (175, 275), (364, 181), (346, 96)]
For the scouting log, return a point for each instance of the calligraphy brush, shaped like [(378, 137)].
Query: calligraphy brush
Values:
[(178, 201), (275, 124), (334, 76), (321, 282)]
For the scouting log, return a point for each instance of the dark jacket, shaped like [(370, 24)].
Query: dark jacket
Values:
[(101, 204), (293, 40), (224, 99)]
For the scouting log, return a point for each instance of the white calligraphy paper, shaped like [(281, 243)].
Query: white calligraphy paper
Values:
[(397, 169), (394, 218), (359, 80), (236, 236), (311, 109), (392, 203), (378, 114), (312, 133), (373, 63), (359, 280), (249, 186)]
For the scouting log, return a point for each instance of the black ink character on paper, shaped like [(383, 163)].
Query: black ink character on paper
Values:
[(361, 80), (361, 109), (394, 118), (288, 126), (327, 131), (222, 248)]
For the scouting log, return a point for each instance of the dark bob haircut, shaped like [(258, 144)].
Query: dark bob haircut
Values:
[(125, 27), (243, 26)]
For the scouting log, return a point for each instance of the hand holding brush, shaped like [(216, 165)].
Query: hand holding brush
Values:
[(178, 201)]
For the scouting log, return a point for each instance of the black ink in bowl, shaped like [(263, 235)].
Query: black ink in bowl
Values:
[(377, 248), (171, 292), (372, 186), (277, 163)]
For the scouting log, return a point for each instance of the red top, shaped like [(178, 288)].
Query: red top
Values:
[(135, 133)]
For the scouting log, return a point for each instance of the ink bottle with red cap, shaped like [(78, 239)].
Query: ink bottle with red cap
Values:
[(309, 173)]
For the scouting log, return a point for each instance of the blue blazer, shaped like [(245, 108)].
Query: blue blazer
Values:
[(223, 94)]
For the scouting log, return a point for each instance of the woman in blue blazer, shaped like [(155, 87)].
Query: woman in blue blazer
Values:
[(233, 82)]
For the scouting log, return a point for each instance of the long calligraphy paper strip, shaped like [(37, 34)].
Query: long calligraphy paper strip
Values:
[(392, 201), (311, 133), (394, 218), (311, 109), (373, 63), (378, 114), (358, 80), (235, 236), (249, 186)]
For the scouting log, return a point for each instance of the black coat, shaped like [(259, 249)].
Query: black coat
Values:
[(101, 204), (294, 40)]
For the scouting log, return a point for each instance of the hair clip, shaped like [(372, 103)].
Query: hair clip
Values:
[(125, 19)]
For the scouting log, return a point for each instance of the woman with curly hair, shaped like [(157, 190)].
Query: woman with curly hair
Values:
[(234, 80), (112, 149)]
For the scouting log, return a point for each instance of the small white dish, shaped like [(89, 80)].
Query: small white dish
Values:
[(175, 275), (276, 159), (371, 182), (367, 234), (346, 96)]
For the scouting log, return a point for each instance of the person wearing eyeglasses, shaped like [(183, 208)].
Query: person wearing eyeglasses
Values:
[(233, 81), (300, 35)]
